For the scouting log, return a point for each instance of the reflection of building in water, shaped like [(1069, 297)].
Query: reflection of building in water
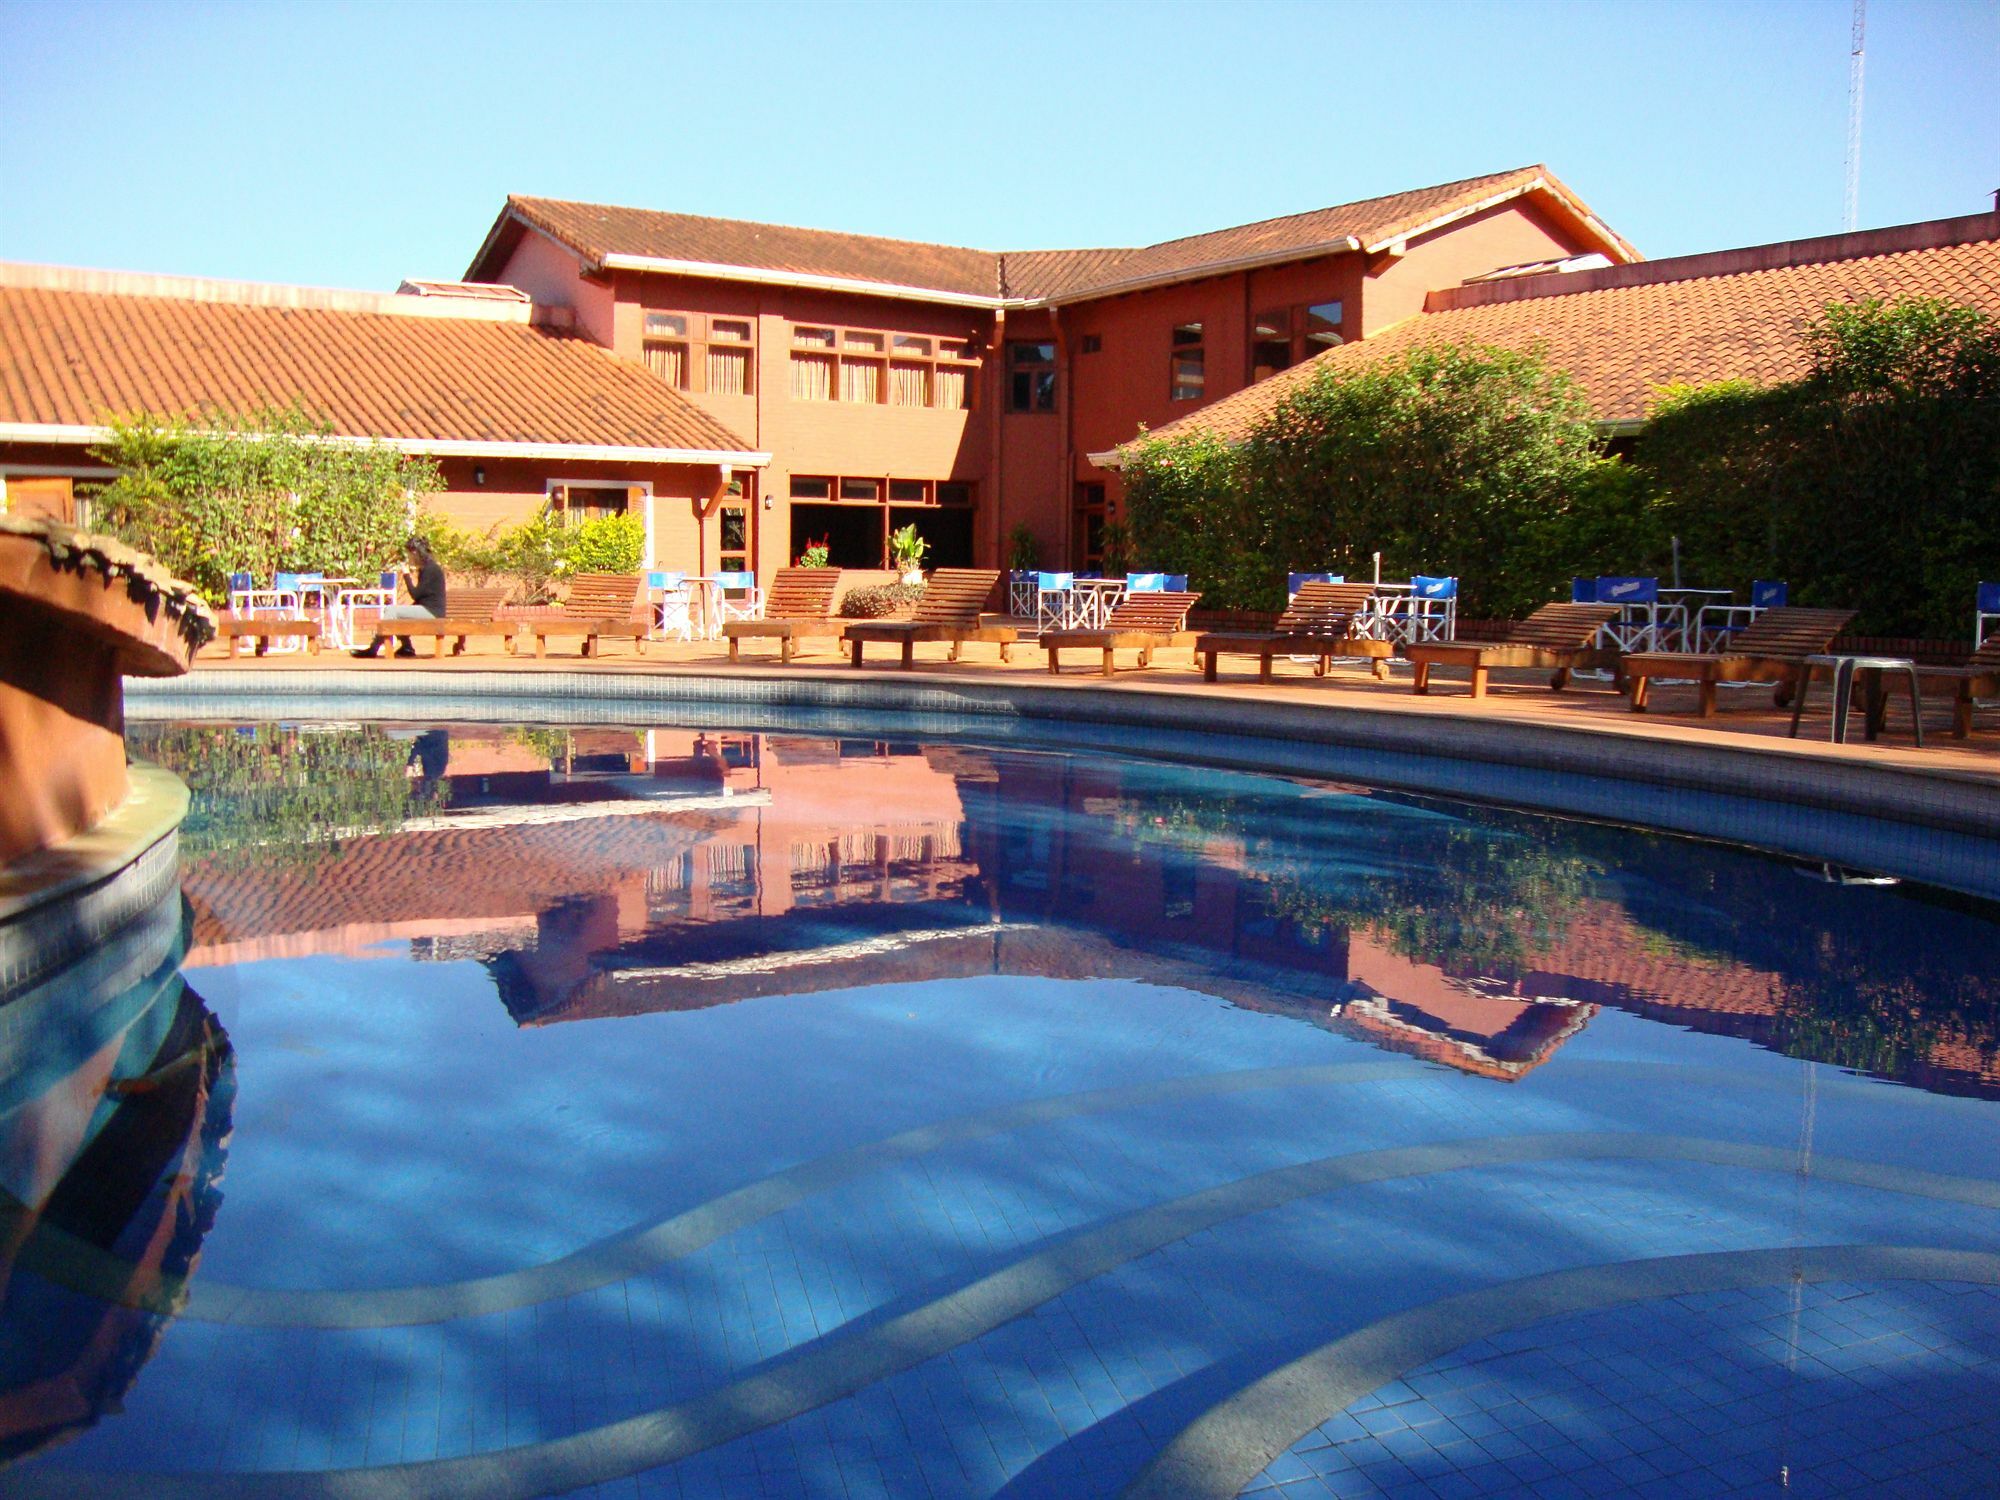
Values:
[(602, 873), (115, 1089)]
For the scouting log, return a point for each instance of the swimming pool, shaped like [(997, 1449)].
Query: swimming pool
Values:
[(692, 1111)]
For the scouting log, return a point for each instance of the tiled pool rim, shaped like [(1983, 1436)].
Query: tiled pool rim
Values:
[(1942, 827)]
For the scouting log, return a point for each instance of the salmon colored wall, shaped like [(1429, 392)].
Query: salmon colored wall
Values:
[(516, 489), (1127, 382), (548, 273), (1031, 484), (834, 438), (1512, 234)]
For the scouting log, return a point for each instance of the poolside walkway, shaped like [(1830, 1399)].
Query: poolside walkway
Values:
[(1748, 718)]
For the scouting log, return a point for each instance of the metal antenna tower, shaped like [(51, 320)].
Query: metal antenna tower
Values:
[(1856, 53)]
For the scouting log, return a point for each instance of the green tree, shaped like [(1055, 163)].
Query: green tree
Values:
[(255, 492)]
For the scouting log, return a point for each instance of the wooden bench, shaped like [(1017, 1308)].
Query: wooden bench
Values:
[(1771, 648), (1319, 622), (1145, 621), (262, 630), (948, 611), (469, 612), (800, 606), (600, 606), (1558, 636)]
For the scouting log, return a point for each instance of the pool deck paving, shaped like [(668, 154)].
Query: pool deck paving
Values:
[(1748, 718)]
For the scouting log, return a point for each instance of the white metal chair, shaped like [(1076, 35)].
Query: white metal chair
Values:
[(671, 600), (1059, 604), (738, 598)]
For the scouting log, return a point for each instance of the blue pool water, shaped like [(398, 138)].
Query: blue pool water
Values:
[(688, 1112)]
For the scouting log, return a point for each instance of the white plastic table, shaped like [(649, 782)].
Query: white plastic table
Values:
[(1875, 706)]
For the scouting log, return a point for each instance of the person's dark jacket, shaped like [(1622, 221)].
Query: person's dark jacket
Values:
[(428, 591)]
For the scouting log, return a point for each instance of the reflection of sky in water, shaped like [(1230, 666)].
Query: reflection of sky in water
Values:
[(1046, 997)]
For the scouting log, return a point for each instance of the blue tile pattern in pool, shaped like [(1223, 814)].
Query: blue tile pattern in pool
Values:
[(672, 1114)]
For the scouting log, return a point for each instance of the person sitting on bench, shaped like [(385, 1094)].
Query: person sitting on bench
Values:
[(424, 578)]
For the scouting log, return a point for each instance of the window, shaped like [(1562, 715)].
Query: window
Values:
[(666, 349), (855, 515), (1187, 373), (848, 365), (1093, 342), (861, 380), (682, 348), (909, 384), (812, 376), (1281, 337), (1031, 377), (734, 555)]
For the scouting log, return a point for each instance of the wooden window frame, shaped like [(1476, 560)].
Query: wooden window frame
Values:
[(1196, 349), (878, 348), (700, 333), (1034, 406), (1296, 333)]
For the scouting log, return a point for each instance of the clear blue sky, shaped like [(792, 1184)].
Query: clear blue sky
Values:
[(355, 144)]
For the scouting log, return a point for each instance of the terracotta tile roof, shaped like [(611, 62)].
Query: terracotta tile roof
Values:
[(597, 231), (73, 358), (1624, 341), (1039, 274)]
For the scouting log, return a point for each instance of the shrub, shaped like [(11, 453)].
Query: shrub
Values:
[(1444, 459), (255, 492), (606, 544), (1871, 482), (1024, 552), (882, 599), (1188, 512)]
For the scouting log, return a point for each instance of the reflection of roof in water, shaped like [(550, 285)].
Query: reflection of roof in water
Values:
[(453, 879)]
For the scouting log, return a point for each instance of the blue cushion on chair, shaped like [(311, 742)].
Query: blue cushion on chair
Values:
[(736, 580), (1055, 583), (1433, 588), (1767, 593)]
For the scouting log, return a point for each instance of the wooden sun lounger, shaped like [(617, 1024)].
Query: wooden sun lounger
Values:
[(262, 630), (1558, 636), (948, 611), (800, 606), (1768, 649), (1317, 623), (600, 606), (1978, 678), (1145, 621)]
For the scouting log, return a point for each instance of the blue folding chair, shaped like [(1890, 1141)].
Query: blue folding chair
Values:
[(1987, 613)]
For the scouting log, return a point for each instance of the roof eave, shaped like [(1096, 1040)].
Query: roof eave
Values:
[(1540, 183), (1092, 293), (718, 271), (58, 433)]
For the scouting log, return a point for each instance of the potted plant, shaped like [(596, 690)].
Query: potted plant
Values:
[(1024, 553), (906, 553), (816, 553)]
